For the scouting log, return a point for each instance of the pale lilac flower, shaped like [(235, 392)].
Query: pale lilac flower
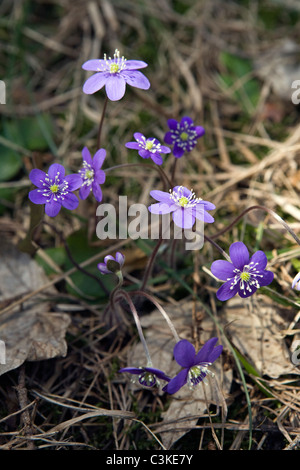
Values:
[(296, 282), (112, 265), (147, 376), (243, 275), (54, 189), (183, 135), (194, 366), (115, 73), (148, 148), (184, 206), (91, 174)]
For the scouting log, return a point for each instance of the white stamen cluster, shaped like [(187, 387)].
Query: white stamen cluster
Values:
[(54, 190), (149, 144), (115, 64), (183, 135), (198, 373), (248, 278), (184, 201), (87, 174)]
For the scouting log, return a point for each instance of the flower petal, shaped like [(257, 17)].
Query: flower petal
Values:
[(86, 155), (100, 177), (260, 258), (37, 177), (159, 373), (120, 258), (52, 208), (103, 268), (227, 291), (98, 159), (161, 196), (173, 124), (135, 64), (56, 169), (268, 277), (178, 151), (239, 255), (97, 191), (200, 131), (115, 87), (74, 181), (94, 64), (36, 197), (136, 79), (222, 269), (84, 191), (177, 382), (95, 83), (183, 218), (168, 138), (184, 353), (157, 158), (70, 201), (132, 370), (205, 351), (161, 208)]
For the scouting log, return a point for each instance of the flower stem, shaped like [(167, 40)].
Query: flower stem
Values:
[(124, 294), (150, 263), (155, 167), (101, 123), (162, 311)]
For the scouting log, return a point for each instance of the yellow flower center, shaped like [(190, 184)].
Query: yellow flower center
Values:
[(245, 276), (184, 136), (54, 188), (183, 201), (89, 174), (114, 68), (149, 144)]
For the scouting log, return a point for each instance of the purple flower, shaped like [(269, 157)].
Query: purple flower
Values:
[(148, 148), (112, 265), (195, 366), (183, 135), (243, 275), (296, 282), (147, 375), (54, 189), (183, 204), (91, 174), (114, 73)]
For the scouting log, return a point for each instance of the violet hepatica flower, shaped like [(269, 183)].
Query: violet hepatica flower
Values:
[(184, 206), (91, 174), (183, 135), (112, 265), (54, 189), (195, 367), (243, 275), (147, 376), (114, 73), (148, 148), (296, 282)]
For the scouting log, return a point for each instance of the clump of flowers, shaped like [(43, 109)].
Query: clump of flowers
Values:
[(114, 73), (147, 376), (184, 206), (183, 135), (54, 189), (243, 275), (148, 148), (91, 174), (195, 367)]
